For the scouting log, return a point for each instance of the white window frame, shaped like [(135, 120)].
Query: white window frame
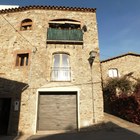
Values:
[(60, 72), (113, 72)]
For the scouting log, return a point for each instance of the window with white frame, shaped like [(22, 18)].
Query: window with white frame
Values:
[(113, 72), (61, 67)]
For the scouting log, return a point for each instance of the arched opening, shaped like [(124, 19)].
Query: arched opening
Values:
[(64, 24), (26, 24)]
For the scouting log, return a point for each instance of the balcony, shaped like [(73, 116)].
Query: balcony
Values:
[(64, 35), (60, 74)]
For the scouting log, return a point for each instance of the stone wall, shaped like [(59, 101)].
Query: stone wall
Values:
[(37, 73)]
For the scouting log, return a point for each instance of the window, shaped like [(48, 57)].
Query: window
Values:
[(60, 69), (113, 72), (26, 24), (22, 59)]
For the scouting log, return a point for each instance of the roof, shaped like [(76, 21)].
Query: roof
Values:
[(129, 53), (39, 7)]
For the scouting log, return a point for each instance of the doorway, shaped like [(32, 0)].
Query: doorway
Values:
[(5, 104)]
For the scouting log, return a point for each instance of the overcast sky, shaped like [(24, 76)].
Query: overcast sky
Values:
[(118, 22)]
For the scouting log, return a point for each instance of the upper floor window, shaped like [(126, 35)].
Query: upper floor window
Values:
[(113, 72), (61, 67), (22, 59), (65, 30), (26, 24)]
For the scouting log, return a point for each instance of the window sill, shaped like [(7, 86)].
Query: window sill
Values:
[(60, 81), (21, 67)]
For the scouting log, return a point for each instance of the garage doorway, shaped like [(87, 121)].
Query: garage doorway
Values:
[(57, 111), (5, 105)]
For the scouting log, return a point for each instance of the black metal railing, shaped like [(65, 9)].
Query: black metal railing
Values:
[(60, 74), (65, 34)]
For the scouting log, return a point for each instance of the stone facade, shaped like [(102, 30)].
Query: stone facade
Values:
[(126, 64), (36, 76)]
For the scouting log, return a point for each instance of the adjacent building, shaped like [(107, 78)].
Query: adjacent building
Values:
[(123, 65), (49, 78)]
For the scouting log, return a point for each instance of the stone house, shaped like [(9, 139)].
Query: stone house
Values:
[(49, 79), (123, 65)]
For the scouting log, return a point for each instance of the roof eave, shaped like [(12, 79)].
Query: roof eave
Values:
[(129, 53), (37, 7)]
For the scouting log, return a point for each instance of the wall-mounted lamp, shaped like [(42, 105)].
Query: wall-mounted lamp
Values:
[(92, 57), (84, 28)]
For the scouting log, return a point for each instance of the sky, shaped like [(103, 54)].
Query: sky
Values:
[(118, 22)]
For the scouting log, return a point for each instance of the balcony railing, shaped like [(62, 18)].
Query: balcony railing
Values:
[(64, 35), (60, 74)]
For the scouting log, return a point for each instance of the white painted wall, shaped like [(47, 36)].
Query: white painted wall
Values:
[(2, 7)]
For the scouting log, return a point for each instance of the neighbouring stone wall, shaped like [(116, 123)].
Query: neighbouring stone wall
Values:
[(125, 65), (37, 73)]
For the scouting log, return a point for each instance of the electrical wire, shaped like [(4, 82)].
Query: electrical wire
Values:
[(17, 30)]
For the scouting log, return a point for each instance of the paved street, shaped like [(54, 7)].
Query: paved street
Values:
[(114, 128), (7, 137), (112, 134), (105, 134)]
